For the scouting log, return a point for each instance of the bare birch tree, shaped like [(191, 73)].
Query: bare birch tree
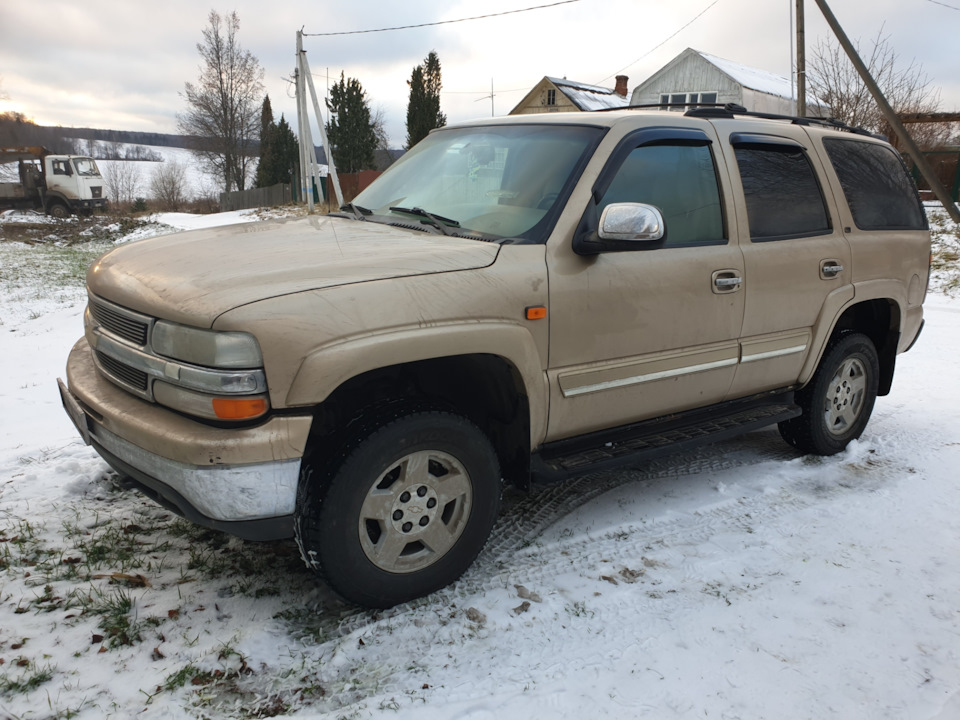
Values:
[(168, 185), (223, 106), (833, 79), (123, 182)]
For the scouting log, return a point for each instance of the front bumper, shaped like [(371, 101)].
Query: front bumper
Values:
[(239, 480)]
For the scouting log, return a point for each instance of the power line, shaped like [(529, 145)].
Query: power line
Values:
[(944, 5), (442, 22), (649, 52)]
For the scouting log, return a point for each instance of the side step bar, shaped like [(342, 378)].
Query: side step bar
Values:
[(659, 436)]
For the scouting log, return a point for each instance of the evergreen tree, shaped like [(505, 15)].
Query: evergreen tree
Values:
[(267, 128), (286, 152), (279, 154), (352, 136), (423, 107)]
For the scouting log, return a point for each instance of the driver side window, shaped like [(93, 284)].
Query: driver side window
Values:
[(679, 180)]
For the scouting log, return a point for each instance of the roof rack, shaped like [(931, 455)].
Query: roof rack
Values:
[(730, 110)]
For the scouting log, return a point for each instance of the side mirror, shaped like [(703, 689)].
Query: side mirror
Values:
[(631, 221), (624, 226)]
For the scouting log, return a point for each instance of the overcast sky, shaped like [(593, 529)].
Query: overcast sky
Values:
[(122, 64)]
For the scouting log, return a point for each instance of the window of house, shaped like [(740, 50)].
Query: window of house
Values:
[(782, 193), (679, 180), (551, 97), (879, 191), (685, 101)]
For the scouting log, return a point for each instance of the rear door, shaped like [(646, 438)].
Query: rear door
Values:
[(796, 258)]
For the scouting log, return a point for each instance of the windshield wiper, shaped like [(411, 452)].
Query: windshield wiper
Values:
[(359, 213), (438, 221)]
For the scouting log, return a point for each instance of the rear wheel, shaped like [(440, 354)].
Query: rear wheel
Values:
[(404, 513), (838, 400)]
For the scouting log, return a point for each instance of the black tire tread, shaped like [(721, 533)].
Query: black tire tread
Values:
[(806, 432), (319, 476)]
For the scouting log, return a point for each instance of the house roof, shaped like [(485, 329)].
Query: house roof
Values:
[(589, 97), (750, 77)]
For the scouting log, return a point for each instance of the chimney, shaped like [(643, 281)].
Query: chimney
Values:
[(621, 88)]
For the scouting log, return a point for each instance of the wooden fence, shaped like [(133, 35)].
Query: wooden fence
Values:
[(279, 194)]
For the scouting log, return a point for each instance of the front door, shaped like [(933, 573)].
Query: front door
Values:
[(637, 334)]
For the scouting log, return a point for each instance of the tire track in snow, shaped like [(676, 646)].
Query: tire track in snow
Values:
[(507, 559)]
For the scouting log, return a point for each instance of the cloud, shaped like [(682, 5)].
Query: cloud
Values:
[(122, 65)]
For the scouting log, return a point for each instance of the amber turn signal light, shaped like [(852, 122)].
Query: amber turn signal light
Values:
[(537, 312), (239, 408)]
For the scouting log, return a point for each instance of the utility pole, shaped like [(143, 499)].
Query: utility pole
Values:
[(793, 59), (309, 172), (891, 117), (801, 63), (491, 96)]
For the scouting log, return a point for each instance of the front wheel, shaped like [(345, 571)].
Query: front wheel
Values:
[(838, 400), (58, 210), (404, 513)]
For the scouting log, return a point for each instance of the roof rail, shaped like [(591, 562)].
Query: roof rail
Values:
[(731, 110)]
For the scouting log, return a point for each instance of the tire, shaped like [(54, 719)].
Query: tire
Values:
[(838, 400), (404, 513), (58, 210)]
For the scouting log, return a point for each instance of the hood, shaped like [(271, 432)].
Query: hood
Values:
[(195, 276)]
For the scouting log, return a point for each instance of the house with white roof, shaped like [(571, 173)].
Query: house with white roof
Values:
[(697, 77), (561, 95)]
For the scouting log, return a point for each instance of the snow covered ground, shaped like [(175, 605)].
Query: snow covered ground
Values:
[(738, 581)]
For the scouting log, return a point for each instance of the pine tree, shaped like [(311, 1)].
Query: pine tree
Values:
[(350, 130), (423, 107), (279, 153), (286, 152), (267, 129)]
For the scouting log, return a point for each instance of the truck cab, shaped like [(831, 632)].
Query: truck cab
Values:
[(57, 184)]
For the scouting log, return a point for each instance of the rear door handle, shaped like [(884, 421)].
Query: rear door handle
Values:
[(830, 269)]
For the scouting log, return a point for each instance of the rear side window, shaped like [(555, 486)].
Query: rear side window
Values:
[(783, 196), (880, 193)]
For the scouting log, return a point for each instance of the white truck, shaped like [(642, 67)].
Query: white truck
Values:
[(57, 184)]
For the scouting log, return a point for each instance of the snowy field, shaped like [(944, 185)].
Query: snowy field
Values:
[(741, 581)]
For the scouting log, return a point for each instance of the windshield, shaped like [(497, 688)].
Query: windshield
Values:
[(494, 181), (86, 166)]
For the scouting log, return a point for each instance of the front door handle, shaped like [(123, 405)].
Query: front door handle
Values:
[(726, 281)]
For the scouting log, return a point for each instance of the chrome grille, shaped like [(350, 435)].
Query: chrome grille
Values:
[(124, 373), (121, 323)]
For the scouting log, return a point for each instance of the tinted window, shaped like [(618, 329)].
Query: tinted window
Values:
[(680, 180), (880, 193), (782, 193)]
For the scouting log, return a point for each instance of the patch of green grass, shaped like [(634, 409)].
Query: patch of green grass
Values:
[(116, 610), (29, 678)]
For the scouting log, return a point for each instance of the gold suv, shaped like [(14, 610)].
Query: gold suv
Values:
[(523, 297)]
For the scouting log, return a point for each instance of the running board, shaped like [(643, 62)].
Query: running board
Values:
[(660, 436)]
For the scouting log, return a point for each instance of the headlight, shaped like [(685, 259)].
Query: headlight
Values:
[(206, 347)]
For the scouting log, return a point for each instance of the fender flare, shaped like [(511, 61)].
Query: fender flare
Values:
[(329, 366)]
